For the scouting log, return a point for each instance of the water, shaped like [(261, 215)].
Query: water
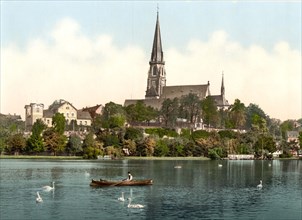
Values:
[(197, 190)]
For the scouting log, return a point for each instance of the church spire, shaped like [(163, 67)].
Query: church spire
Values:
[(222, 86), (157, 55), (157, 73)]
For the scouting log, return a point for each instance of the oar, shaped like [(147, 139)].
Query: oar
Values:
[(115, 184)]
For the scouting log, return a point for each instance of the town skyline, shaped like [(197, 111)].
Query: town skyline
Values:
[(92, 53)]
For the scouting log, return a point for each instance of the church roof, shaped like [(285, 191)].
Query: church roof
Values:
[(157, 55), (172, 92), (219, 100)]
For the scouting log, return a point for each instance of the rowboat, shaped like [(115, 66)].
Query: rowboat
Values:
[(102, 183)]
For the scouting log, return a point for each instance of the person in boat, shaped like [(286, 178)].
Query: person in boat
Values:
[(130, 177)]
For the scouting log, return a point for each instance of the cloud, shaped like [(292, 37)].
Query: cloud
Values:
[(270, 79), (89, 70)]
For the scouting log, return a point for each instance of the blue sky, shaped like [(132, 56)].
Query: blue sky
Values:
[(255, 43)]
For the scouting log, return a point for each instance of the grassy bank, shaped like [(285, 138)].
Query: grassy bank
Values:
[(40, 157), (166, 158)]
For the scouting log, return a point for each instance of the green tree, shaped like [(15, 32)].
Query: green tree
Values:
[(169, 111), (190, 108), (113, 116), (35, 141), (237, 114), (91, 147), (54, 141), (74, 145), (16, 143), (58, 122), (209, 111)]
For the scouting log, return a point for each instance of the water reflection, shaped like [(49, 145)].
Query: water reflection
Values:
[(197, 190)]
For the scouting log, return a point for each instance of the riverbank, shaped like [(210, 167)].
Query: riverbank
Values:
[(124, 158), (41, 157)]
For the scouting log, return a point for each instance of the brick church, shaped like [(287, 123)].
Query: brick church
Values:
[(157, 91)]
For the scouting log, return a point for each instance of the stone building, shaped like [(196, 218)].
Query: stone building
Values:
[(35, 111), (157, 91)]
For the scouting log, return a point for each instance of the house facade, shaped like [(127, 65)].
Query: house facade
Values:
[(35, 111)]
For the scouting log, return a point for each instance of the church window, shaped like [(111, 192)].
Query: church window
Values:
[(154, 71)]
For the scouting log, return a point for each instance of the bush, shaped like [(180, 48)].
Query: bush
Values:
[(133, 134)]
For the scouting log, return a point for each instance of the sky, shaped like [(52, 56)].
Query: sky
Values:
[(94, 52)]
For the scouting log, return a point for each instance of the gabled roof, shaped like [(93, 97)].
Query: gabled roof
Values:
[(83, 115), (219, 100), (172, 92), (57, 104)]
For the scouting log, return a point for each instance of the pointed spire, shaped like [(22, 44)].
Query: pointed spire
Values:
[(157, 55), (222, 86)]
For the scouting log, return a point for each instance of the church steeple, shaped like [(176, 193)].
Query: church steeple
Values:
[(157, 73), (157, 55), (222, 90)]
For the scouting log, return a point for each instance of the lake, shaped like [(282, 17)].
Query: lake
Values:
[(192, 189)]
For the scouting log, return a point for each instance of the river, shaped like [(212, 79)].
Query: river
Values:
[(192, 189)]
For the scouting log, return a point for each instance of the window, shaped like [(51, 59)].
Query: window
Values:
[(154, 71)]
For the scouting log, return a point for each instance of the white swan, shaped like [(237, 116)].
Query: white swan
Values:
[(87, 174), (135, 206), (259, 186), (39, 198), (48, 188), (220, 165), (122, 198)]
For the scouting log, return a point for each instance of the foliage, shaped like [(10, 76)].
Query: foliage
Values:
[(200, 134), (54, 141), (16, 143), (35, 141), (209, 111), (190, 107), (169, 111), (133, 133), (58, 122), (113, 116), (74, 145), (217, 153), (91, 148), (237, 114), (161, 149)]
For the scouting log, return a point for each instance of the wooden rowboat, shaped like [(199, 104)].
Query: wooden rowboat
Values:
[(102, 183)]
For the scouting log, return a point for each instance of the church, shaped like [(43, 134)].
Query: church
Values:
[(157, 91)]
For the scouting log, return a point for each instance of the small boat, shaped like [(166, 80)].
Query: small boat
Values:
[(102, 183)]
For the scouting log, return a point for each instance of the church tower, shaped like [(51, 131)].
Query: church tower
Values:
[(157, 73)]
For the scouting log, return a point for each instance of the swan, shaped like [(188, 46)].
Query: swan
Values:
[(220, 165), (48, 188), (122, 198), (259, 186), (39, 198), (87, 174), (136, 206)]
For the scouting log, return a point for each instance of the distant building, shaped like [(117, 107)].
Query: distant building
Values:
[(157, 91), (94, 110), (35, 111)]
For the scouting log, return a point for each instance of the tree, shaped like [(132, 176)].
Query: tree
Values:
[(251, 111), (91, 147), (209, 111), (74, 145), (35, 141), (16, 143), (169, 111), (237, 114), (54, 141), (190, 107), (58, 122), (113, 116)]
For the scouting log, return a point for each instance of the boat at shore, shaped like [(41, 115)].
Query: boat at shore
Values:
[(103, 183)]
